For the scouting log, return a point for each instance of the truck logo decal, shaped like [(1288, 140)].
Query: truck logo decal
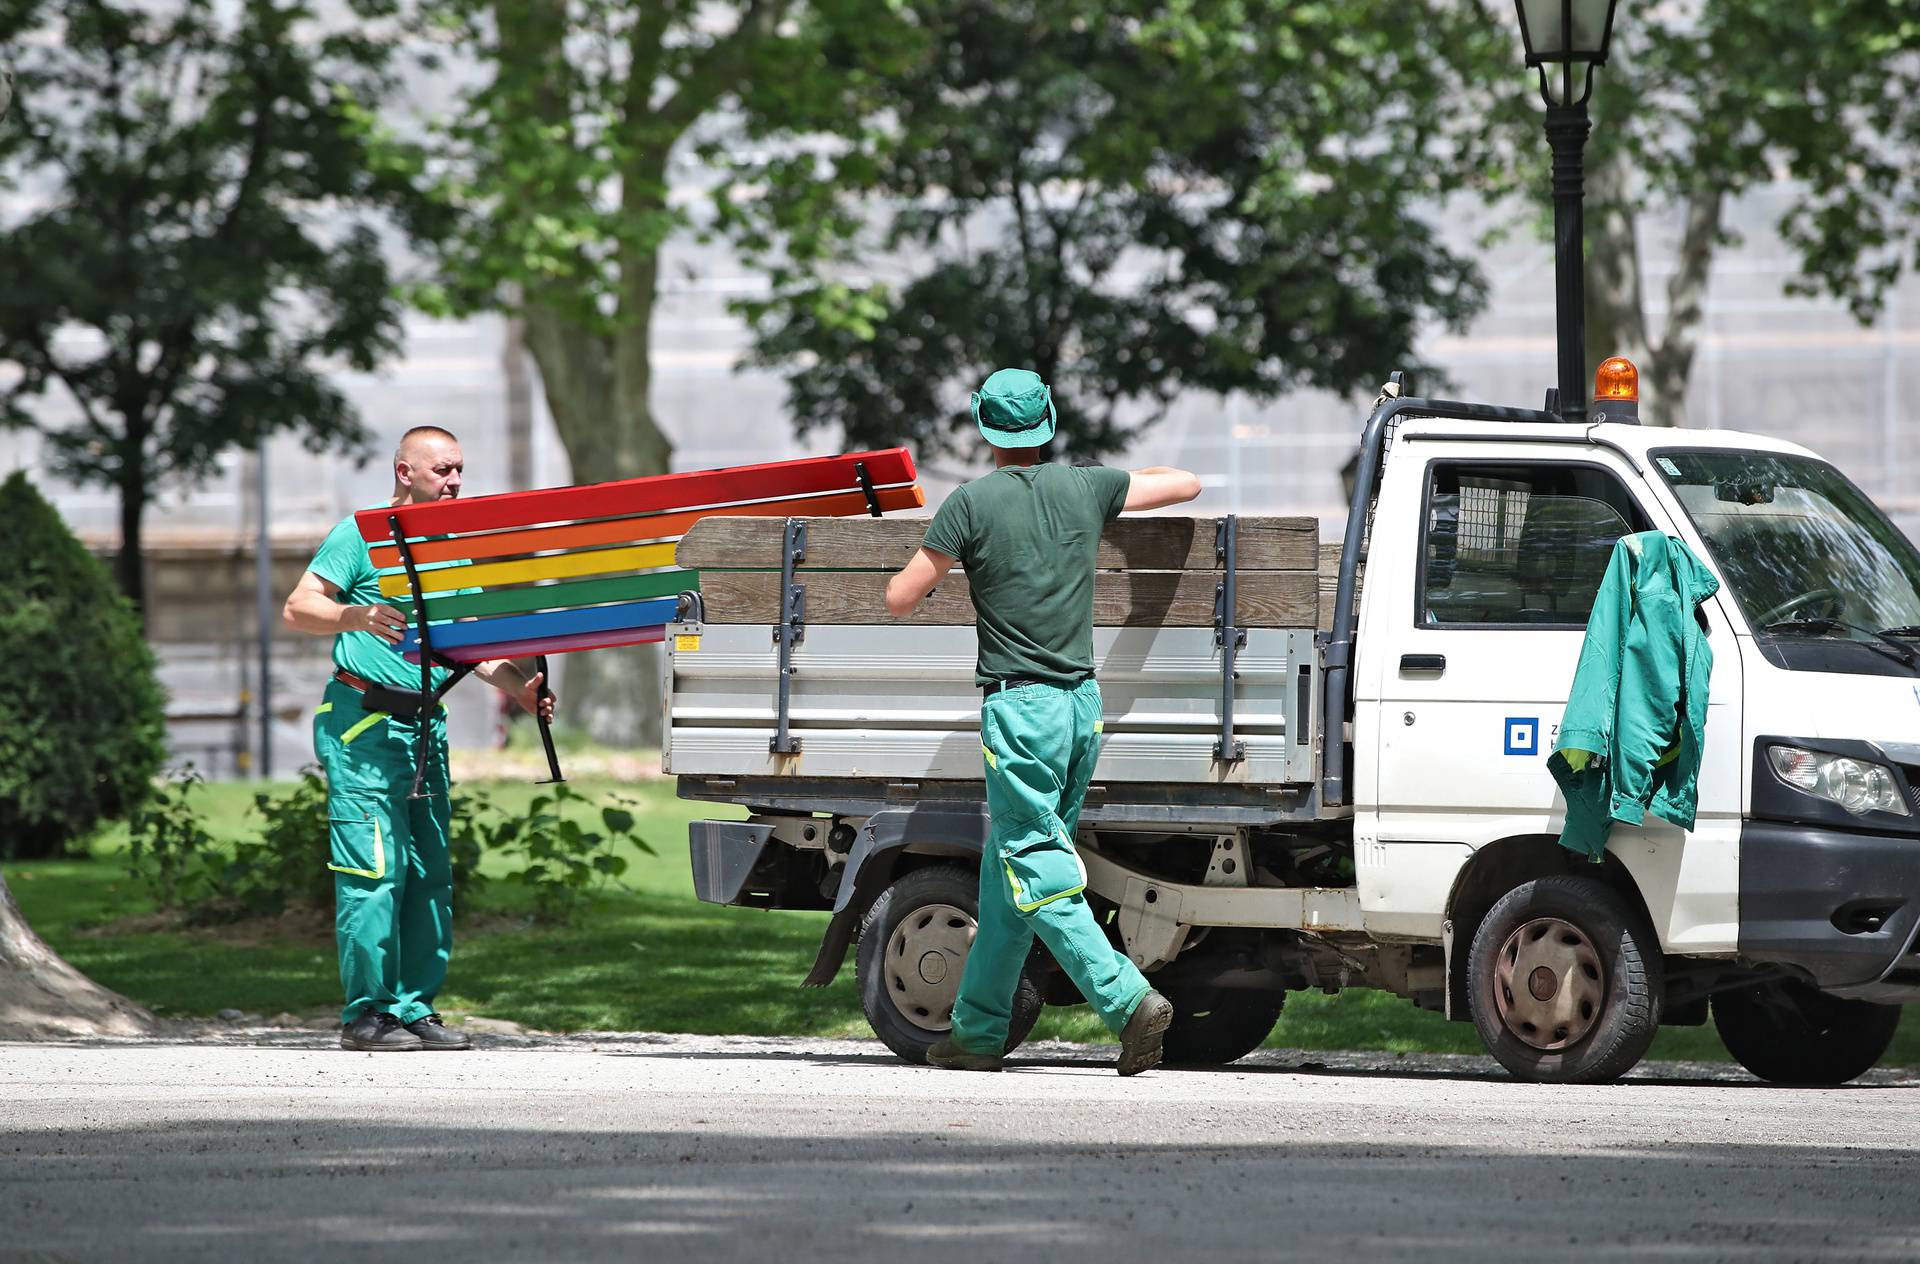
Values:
[(1523, 735)]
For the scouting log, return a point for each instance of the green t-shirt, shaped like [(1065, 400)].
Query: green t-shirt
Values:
[(345, 561), (1028, 537)]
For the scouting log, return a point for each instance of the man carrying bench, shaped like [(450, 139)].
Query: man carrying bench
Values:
[(393, 877)]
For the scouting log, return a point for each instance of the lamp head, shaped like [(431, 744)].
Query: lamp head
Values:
[(1565, 40)]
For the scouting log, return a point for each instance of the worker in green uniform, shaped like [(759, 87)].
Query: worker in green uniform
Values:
[(393, 877), (1028, 535)]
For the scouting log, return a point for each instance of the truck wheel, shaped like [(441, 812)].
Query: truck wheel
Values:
[(913, 946), (1564, 981), (1791, 1033), (1213, 1026)]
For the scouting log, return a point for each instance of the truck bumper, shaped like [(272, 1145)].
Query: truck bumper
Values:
[(724, 854), (1840, 905)]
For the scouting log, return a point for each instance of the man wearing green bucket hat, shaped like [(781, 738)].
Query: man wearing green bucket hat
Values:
[(1027, 535)]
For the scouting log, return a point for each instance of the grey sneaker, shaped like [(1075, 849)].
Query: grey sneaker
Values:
[(379, 1032), (1140, 1038), (949, 1056)]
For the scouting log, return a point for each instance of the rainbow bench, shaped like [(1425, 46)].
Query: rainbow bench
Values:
[(528, 574)]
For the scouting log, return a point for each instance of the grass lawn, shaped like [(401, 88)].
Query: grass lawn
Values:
[(649, 956)]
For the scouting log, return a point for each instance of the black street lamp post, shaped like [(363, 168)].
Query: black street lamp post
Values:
[(1566, 40)]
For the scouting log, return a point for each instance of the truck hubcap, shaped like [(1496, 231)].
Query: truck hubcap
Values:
[(924, 958), (1548, 985)]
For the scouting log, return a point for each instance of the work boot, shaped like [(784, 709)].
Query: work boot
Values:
[(376, 1031), (1140, 1038), (434, 1034), (949, 1056)]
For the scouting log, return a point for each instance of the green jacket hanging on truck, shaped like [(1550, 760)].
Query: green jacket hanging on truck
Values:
[(1635, 725)]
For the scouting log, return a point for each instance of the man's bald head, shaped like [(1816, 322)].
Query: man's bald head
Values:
[(427, 466), (414, 438)]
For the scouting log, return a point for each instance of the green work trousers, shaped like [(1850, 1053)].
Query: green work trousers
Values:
[(392, 874), (1040, 743)]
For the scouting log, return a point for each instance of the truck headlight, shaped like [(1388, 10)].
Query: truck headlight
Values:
[(1857, 785)]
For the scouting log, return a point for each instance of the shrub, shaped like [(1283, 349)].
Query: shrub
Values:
[(561, 863), (82, 723), (286, 865), (169, 849), (564, 864)]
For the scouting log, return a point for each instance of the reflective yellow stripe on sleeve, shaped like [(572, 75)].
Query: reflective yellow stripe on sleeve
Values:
[(323, 708), (993, 760)]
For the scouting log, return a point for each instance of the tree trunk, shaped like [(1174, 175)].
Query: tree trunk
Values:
[(130, 566), (43, 997), (606, 424), (597, 383), (1616, 315), (599, 389), (1670, 367)]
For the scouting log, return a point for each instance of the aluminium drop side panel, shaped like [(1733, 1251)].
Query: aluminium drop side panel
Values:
[(899, 703), (675, 631)]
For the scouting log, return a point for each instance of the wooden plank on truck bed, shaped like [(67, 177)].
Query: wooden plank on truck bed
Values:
[(873, 544), (1267, 599), (1330, 582)]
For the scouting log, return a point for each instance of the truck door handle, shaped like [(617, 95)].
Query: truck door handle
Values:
[(1423, 662)]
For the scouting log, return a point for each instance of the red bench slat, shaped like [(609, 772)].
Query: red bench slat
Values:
[(651, 527), (638, 495)]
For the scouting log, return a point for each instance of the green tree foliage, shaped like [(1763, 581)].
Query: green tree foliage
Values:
[(193, 237), (556, 164), (1703, 102), (1132, 197), (81, 723)]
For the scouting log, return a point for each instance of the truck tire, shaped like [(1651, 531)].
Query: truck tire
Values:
[(913, 946), (1564, 981), (1789, 1032), (1214, 1026)]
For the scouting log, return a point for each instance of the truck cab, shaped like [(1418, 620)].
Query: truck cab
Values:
[(1414, 845)]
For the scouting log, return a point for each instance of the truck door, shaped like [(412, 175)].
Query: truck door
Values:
[(1474, 640), (1473, 626), (1474, 673)]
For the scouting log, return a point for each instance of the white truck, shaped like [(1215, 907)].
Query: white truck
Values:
[(1299, 792)]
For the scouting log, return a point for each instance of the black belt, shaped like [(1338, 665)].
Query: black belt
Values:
[(378, 697), (993, 687)]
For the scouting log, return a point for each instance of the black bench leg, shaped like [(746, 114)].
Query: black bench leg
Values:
[(428, 699), (546, 730)]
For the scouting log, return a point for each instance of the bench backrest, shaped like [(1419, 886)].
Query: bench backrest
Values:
[(573, 568)]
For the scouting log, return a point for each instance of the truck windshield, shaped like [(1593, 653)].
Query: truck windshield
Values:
[(1803, 550)]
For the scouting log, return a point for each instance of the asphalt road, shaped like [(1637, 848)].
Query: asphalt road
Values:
[(267, 1146)]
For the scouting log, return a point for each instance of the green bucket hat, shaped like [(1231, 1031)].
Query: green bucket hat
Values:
[(1014, 409)]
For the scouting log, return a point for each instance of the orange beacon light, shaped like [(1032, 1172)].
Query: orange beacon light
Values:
[(1616, 391)]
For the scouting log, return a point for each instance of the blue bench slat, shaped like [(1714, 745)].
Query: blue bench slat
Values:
[(527, 627)]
